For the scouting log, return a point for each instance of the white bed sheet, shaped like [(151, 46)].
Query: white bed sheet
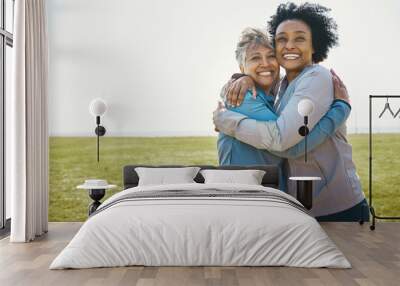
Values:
[(200, 231)]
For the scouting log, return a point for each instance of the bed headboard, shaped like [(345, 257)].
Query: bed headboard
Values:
[(270, 179)]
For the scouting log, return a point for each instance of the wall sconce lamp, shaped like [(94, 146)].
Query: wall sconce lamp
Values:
[(97, 108), (305, 184), (305, 108)]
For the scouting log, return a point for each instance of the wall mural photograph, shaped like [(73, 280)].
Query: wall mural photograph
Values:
[(201, 133)]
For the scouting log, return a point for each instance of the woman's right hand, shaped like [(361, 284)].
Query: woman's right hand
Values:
[(237, 90), (340, 88)]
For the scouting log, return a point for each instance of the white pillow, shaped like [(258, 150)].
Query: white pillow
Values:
[(165, 176), (248, 177)]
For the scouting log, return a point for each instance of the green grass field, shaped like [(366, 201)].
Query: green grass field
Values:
[(73, 159)]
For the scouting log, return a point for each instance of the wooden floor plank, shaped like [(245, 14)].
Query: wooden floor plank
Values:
[(374, 255)]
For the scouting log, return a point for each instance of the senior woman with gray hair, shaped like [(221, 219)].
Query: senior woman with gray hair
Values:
[(256, 59)]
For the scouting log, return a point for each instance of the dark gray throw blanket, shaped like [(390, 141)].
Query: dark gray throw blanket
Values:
[(204, 193)]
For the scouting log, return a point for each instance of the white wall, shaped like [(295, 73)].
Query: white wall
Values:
[(160, 64)]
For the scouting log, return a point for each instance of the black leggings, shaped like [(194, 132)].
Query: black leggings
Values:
[(360, 212)]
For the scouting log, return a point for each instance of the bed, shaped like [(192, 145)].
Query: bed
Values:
[(198, 224)]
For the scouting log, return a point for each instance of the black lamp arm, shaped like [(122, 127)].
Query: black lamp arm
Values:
[(303, 131), (100, 131)]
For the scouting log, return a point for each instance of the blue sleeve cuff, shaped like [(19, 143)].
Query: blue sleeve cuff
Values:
[(342, 101)]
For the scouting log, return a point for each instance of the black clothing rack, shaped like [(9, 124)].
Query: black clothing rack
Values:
[(371, 208)]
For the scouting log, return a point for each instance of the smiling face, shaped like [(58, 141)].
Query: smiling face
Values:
[(261, 65), (293, 46)]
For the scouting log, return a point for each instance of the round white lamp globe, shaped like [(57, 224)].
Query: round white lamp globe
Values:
[(305, 107), (97, 107)]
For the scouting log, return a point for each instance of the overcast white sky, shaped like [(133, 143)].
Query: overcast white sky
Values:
[(160, 64)]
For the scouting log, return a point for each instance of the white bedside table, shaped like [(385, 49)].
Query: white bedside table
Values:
[(96, 189)]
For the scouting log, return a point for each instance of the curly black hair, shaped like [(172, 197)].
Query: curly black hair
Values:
[(323, 27)]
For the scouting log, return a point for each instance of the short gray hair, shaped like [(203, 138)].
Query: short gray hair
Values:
[(250, 37)]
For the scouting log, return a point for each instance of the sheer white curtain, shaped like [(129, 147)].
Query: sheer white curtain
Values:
[(28, 141)]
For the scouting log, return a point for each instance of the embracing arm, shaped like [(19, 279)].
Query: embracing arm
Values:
[(281, 134), (234, 91), (326, 127)]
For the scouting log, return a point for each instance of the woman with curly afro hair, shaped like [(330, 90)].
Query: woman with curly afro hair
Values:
[(302, 36)]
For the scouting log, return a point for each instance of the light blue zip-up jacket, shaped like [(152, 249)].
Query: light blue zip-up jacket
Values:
[(340, 187), (234, 152)]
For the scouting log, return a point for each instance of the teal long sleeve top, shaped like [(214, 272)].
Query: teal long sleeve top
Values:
[(234, 152)]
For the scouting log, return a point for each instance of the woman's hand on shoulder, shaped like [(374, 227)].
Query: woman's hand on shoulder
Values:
[(237, 90), (339, 87)]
